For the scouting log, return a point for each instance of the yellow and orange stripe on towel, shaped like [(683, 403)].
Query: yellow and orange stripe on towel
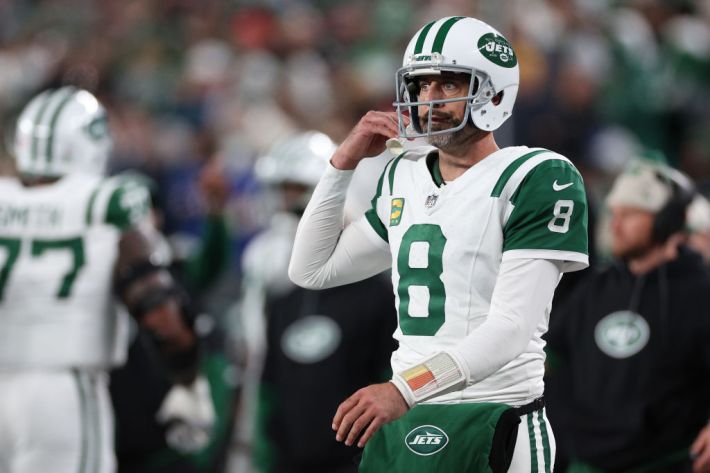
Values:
[(418, 377)]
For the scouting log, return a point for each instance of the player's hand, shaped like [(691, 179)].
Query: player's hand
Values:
[(369, 409), (367, 139), (700, 451)]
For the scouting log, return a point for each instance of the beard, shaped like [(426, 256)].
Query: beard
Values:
[(631, 252), (454, 140)]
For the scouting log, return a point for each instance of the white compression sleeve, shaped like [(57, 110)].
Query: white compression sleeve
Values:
[(324, 253), (523, 291)]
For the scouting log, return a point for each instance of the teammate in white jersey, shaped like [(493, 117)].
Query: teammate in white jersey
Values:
[(477, 238), (70, 240)]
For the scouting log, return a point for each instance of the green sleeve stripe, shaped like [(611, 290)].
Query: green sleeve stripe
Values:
[(115, 214), (510, 170), (98, 201), (90, 206), (371, 214), (104, 205), (392, 171), (380, 183), (442, 33), (376, 224), (53, 124), (422, 37), (127, 204)]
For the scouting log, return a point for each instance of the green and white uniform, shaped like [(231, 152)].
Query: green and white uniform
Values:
[(448, 241), (474, 266), (59, 331), (58, 246)]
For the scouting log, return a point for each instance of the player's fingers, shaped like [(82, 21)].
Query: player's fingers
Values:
[(371, 429), (347, 421), (359, 424), (406, 119), (381, 123), (343, 409)]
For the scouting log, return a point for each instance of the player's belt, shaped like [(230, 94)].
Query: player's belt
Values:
[(526, 409)]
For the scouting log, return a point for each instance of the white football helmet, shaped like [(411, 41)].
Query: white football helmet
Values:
[(300, 159), (460, 45), (62, 131)]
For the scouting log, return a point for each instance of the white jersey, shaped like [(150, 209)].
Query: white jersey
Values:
[(447, 242), (58, 247)]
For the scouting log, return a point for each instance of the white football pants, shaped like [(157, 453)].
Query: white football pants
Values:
[(535, 447), (57, 421)]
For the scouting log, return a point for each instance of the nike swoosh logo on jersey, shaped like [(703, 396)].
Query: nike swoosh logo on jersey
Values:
[(559, 187)]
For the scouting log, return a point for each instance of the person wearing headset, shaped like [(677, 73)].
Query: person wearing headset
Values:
[(631, 384)]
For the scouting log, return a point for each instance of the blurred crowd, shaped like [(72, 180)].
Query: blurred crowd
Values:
[(190, 83)]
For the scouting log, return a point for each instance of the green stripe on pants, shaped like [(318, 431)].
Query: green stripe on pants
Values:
[(545, 441)]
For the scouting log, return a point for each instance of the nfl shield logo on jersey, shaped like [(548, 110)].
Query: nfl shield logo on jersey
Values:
[(431, 201), (396, 211)]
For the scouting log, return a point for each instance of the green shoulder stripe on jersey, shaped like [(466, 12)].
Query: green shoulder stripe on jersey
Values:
[(550, 210), (392, 171), (53, 124), (422, 37), (442, 33), (376, 224), (371, 213), (128, 204), (90, 205), (512, 167), (380, 183)]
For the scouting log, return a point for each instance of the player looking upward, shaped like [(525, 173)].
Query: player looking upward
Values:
[(477, 238)]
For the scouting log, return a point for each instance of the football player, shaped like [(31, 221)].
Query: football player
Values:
[(302, 334), (71, 240), (477, 238)]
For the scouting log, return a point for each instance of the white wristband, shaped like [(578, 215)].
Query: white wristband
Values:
[(436, 375)]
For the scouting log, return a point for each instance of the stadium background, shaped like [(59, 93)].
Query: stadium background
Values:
[(188, 82)]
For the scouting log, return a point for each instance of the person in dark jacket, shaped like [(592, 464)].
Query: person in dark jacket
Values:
[(630, 391)]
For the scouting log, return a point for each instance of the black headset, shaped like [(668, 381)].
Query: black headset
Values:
[(671, 218)]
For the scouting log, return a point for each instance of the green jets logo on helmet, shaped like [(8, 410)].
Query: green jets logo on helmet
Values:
[(426, 440), (498, 50)]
